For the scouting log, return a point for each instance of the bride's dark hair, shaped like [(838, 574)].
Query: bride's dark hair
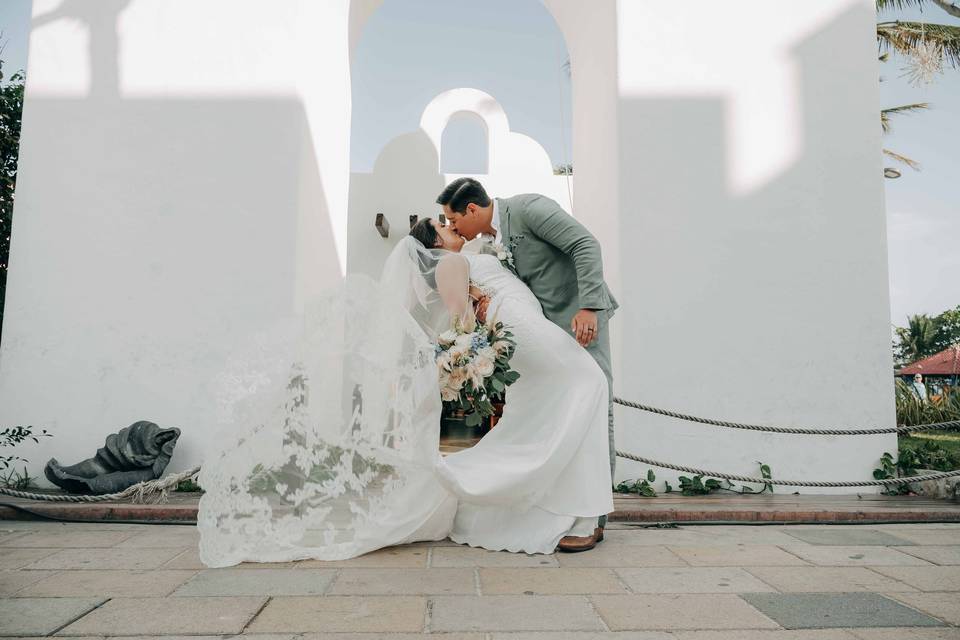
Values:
[(424, 233)]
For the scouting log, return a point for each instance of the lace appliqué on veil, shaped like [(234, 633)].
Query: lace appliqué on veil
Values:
[(356, 406)]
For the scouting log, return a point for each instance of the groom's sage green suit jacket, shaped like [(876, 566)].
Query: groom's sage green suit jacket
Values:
[(560, 261), (555, 256)]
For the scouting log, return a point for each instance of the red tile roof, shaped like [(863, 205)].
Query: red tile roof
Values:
[(945, 363)]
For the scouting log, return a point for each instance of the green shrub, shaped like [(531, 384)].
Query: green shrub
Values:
[(913, 411)]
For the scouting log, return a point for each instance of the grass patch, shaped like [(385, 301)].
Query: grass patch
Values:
[(949, 440), (938, 450)]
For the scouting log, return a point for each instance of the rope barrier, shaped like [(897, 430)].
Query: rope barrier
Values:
[(157, 490), (817, 432), (794, 483), (154, 491)]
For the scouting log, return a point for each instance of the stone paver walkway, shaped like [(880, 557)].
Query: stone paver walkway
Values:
[(778, 582)]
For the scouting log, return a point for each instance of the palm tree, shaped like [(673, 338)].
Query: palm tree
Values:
[(928, 46), (885, 125), (918, 339)]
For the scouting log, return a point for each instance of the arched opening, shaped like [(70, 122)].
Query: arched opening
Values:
[(432, 99), (464, 147)]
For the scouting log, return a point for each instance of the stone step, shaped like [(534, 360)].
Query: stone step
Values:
[(665, 508)]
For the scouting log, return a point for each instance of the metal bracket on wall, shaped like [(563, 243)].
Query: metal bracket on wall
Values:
[(383, 227)]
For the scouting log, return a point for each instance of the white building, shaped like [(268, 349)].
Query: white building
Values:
[(172, 200)]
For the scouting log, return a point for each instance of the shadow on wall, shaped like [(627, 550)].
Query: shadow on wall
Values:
[(786, 255), (135, 275), (405, 180), (104, 41)]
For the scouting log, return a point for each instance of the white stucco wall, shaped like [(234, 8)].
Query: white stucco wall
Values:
[(173, 199), (181, 184), (752, 236)]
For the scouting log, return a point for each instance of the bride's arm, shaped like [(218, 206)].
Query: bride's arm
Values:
[(453, 284)]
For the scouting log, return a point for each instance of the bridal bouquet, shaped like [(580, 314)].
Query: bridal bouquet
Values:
[(474, 367)]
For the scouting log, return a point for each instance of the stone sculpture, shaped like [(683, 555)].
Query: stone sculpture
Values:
[(134, 454)]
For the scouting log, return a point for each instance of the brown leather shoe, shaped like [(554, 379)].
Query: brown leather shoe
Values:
[(572, 544)]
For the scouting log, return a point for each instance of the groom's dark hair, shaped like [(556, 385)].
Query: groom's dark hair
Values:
[(461, 192)]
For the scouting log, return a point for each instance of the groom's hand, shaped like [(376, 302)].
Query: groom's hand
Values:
[(584, 327)]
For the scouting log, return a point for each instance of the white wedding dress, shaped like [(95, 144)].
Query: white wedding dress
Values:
[(344, 459)]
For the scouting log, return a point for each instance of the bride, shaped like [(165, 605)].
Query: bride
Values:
[(330, 446)]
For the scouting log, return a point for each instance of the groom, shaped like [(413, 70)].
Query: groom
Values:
[(559, 260)]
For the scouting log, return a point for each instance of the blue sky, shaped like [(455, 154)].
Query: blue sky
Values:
[(15, 25), (513, 50), (923, 208)]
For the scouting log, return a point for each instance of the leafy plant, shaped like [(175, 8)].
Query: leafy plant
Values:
[(9, 438), (692, 486), (764, 473), (11, 106), (904, 466), (932, 450), (698, 486), (642, 487), (913, 411)]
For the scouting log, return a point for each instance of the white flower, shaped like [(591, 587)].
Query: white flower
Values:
[(443, 361), (484, 366), (448, 393), (458, 377), (464, 341), (487, 352), (458, 353), (503, 254), (447, 337)]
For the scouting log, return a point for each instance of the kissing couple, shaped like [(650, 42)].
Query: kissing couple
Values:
[(331, 449)]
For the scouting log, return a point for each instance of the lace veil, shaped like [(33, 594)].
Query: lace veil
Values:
[(330, 422)]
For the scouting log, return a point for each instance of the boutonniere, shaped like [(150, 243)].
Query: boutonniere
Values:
[(515, 240), (504, 254)]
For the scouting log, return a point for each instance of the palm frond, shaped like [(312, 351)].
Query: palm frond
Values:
[(952, 7), (892, 5), (913, 164), (903, 37), (902, 109)]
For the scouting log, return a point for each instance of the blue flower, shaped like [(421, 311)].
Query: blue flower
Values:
[(479, 342)]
